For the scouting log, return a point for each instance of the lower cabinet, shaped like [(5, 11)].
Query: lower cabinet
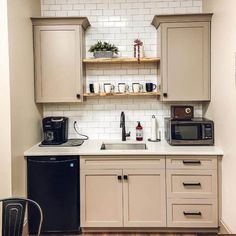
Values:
[(101, 198), (155, 192), (123, 197)]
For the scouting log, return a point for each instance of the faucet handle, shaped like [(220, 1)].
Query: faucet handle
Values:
[(128, 134)]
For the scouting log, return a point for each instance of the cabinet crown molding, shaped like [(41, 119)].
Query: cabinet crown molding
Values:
[(158, 19), (37, 21)]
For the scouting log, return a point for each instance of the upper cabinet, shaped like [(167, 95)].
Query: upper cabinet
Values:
[(185, 56), (58, 55)]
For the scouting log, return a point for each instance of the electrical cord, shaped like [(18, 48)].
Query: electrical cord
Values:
[(83, 135)]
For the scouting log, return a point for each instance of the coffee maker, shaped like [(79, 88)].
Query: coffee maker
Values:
[(55, 130)]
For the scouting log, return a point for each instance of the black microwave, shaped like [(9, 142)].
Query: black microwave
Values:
[(198, 131)]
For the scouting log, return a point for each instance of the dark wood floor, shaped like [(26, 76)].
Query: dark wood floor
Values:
[(131, 234)]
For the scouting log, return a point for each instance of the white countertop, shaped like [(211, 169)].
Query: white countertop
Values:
[(92, 147)]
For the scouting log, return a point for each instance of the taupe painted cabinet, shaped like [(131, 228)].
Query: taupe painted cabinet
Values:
[(185, 56), (171, 192), (122, 192), (58, 54)]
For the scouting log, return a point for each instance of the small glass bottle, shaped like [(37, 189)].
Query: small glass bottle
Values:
[(139, 132)]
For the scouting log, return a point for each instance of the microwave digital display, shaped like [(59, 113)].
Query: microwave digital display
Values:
[(186, 132)]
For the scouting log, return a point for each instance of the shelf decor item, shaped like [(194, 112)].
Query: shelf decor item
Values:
[(103, 50), (138, 48)]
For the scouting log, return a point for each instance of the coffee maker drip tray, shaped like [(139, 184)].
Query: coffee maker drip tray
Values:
[(69, 143)]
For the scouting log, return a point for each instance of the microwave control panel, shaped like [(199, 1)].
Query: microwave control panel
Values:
[(208, 132)]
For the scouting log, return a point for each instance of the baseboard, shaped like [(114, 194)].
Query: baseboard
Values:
[(224, 229)]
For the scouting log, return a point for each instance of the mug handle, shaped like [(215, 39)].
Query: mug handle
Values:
[(126, 87), (140, 87), (112, 88), (154, 86)]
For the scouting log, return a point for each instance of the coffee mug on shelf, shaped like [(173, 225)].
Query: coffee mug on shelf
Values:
[(123, 87), (96, 87), (150, 87), (108, 87), (91, 88), (137, 87)]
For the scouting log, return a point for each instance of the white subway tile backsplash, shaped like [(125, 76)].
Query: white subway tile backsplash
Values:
[(120, 22)]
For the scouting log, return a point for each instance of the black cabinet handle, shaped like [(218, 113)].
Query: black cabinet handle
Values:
[(191, 184), (78, 96), (165, 95), (190, 162), (192, 213), (119, 177), (125, 177)]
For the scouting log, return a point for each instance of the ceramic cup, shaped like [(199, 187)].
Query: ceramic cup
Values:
[(137, 87), (91, 88), (96, 87), (123, 87), (150, 87), (108, 88)]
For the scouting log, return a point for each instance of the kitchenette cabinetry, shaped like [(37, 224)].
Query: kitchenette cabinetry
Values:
[(192, 191), (58, 54), (149, 191), (185, 56), (123, 192)]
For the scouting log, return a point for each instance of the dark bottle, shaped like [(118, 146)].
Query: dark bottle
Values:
[(139, 132)]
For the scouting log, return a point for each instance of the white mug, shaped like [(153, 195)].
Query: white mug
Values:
[(96, 87), (137, 87), (123, 87), (108, 88)]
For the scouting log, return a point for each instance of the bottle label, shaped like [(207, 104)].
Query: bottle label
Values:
[(139, 133)]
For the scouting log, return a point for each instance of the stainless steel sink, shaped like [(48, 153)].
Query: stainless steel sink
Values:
[(123, 146)]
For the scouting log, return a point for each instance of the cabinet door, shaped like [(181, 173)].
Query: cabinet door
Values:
[(144, 198), (101, 198), (58, 63), (185, 61)]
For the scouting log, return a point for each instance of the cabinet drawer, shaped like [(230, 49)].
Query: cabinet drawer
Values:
[(119, 162), (192, 213), (192, 183), (191, 162)]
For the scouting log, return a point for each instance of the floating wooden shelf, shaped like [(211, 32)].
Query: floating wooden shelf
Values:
[(121, 60), (121, 94)]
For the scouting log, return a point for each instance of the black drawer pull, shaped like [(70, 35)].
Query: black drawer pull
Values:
[(190, 162), (192, 213), (192, 184), (125, 177), (119, 177), (78, 96)]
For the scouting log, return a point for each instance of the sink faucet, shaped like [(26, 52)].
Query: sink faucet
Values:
[(122, 125)]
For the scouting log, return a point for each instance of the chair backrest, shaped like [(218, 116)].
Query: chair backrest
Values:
[(13, 214)]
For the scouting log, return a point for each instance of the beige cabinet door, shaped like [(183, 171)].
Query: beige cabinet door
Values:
[(144, 198), (101, 198), (58, 63), (185, 61)]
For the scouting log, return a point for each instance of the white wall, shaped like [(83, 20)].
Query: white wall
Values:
[(5, 130), (120, 22), (25, 115), (223, 104), (19, 115)]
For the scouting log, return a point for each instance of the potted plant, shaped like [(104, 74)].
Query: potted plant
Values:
[(103, 50)]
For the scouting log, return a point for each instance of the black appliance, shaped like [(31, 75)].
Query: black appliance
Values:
[(53, 182), (55, 130), (198, 131)]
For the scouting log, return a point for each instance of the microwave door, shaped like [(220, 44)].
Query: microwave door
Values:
[(186, 131)]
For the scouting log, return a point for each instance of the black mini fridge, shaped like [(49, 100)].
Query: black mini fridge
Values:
[(53, 182)]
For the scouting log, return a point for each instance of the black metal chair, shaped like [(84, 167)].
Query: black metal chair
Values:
[(13, 215)]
